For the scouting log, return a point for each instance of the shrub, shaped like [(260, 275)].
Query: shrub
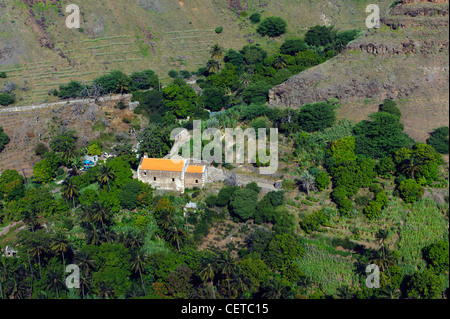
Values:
[(144, 80), (373, 210), (223, 198), (256, 93), (114, 82), (293, 46), (219, 30), (211, 200), (255, 17), (243, 203), (425, 285), (390, 106), (439, 140), (234, 57), (276, 198), (3, 75), (185, 74), (313, 221), (410, 191), (437, 256), (272, 26), (40, 149), (6, 99), (362, 200), (322, 181), (316, 117), (71, 90), (173, 74), (253, 186), (4, 139), (94, 149), (320, 35), (386, 167)]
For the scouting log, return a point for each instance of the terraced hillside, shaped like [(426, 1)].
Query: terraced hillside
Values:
[(28, 128), (38, 52), (406, 59)]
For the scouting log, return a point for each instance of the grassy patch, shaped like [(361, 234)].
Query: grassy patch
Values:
[(327, 270)]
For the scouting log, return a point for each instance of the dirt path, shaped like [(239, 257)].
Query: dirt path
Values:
[(5, 230), (49, 105)]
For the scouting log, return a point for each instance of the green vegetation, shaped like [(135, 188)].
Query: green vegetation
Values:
[(6, 99), (272, 27), (4, 139), (352, 193)]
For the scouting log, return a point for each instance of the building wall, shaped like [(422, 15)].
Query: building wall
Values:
[(164, 180), (192, 180)]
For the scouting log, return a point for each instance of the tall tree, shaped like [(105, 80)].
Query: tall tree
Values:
[(138, 263), (208, 274), (105, 175), (60, 245), (70, 190)]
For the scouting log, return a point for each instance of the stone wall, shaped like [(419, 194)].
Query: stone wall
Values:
[(192, 180), (163, 180)]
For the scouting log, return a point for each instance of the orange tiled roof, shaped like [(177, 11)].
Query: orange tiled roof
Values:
[(194, 169), (159, 164)]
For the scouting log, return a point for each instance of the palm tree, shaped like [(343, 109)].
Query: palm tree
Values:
[(390, 292), (70, 190), (339, 45), (31, 220), (68, 154), (212, 66), (245, 79), (175, 233), (131, 239), (38, 249), (85, 262), (238, 283), (60, 245), (4, 273), (85, 282), (228, 266), (138, 264), (307, 181), (105, 290), (19, 288), (54, 280), (411, 165), (207, 274), (345, 292), (381, 236), (106, 174), (275, 289), (279, 62), (384, 259), (217, 52), (167, 218), (122, 85), (101, 214)]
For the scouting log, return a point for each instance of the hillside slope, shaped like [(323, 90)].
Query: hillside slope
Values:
[(406, 59), (130, 35)]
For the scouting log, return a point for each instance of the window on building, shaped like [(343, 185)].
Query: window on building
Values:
[(196, 181), (154, 178), (173, 179), (145, 173)]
